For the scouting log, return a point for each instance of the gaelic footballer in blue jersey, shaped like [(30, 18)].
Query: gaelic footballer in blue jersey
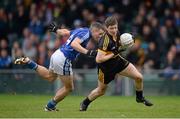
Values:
[(83, 35), (60, 62)]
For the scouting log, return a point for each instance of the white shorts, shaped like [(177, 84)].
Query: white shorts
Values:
[(59, 64)]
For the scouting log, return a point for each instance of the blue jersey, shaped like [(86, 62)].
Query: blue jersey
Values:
[(83, 34)]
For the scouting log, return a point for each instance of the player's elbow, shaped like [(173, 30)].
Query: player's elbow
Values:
[(73, 44), (139, 77), (99, 60)]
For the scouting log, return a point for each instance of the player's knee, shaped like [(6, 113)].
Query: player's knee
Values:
[(139, 77), (69, 88), (50, 79)]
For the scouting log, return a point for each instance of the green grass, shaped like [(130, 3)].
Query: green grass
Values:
[(26, 106)]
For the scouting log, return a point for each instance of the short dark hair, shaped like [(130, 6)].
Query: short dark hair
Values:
[(110, 21), (97, 25)]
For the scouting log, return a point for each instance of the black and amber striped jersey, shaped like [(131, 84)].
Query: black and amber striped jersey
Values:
[(106, 43), (115, 64)]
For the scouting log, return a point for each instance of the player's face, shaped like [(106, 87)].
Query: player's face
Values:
[(97, 33), (112, 30)]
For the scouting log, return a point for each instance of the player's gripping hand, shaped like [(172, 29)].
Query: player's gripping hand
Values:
[(53, 27), (91, 53), (121, 49), (115, 50)]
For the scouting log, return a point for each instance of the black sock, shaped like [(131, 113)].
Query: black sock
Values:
[(139, 94), (87, 101)]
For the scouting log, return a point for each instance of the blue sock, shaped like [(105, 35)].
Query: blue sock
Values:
[(51, 104), (32, 65)]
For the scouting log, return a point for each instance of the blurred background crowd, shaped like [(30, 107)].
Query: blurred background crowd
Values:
[(155, 23)]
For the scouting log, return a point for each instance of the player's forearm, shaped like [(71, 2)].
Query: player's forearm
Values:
[(103, 58), (79, 48), (63, 32)]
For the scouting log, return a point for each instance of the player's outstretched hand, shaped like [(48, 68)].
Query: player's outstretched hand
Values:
[(91, 53), (22, 60), (53, 27)]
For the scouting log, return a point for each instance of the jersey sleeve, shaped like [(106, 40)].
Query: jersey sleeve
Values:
[(71, 32), (83, 35), (104, 43)]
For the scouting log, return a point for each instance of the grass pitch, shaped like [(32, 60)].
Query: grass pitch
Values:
[(32, 106)]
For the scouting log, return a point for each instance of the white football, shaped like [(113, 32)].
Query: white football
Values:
[(126, 40)]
